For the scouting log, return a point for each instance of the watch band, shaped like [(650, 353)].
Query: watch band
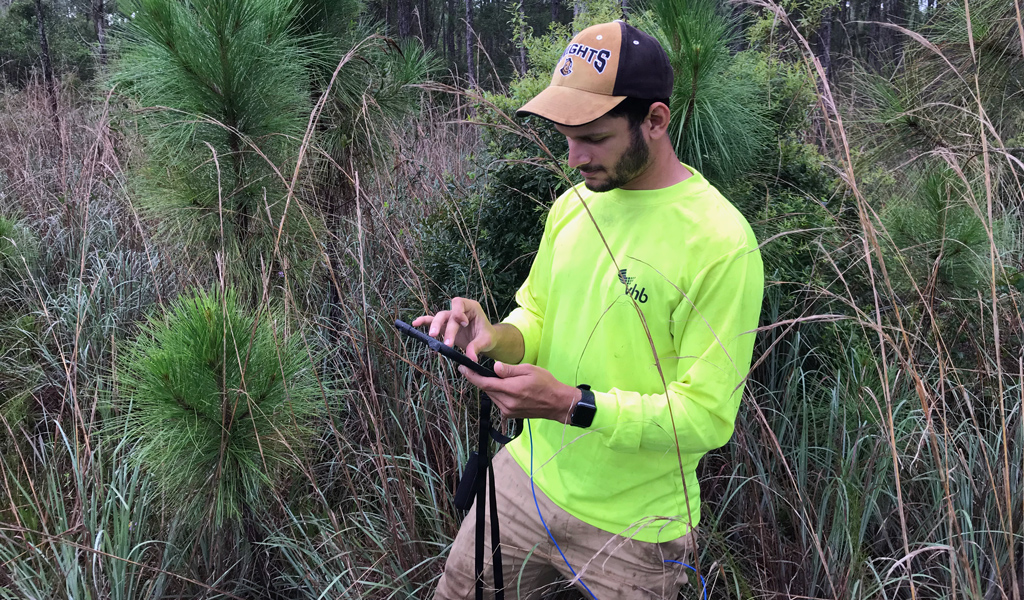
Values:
[(584, 411)]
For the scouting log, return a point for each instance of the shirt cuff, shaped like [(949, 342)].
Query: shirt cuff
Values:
[(619, 435)]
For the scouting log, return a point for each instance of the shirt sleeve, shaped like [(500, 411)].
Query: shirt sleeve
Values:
[(532, 296), (713, 333)]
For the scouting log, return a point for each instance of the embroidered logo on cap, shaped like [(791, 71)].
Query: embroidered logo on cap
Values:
[(595, 56), (567, 67)]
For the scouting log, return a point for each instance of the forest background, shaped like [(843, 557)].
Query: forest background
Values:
[(211, 212)]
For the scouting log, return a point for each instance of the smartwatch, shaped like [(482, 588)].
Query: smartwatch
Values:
[(583, 412)]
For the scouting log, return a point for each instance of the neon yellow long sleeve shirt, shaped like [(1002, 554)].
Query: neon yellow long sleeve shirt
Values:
[(663, 334)]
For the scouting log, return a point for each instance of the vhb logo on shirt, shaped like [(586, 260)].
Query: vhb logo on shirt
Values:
[(640, 295), (598, 57)]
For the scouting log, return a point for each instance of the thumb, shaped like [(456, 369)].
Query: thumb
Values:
[(504, 370)]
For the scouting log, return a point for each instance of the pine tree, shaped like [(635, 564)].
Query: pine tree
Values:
[(225, 95)]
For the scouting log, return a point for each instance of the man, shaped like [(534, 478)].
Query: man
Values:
[(629, 348)]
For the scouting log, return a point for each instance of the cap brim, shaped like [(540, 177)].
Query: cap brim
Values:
[(569, 106)]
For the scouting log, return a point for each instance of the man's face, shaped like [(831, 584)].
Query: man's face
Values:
[(608, 152)]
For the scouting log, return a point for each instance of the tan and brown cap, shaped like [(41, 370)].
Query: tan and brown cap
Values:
[(601, 67)]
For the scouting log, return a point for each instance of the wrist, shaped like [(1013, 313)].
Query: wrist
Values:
[(572, 397), (506, 344)]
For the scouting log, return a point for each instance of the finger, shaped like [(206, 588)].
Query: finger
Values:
[(504, 370), (459, 311), (438, 322), (478, 380), (472, 348), (457, 319), (424, 320), (487, 384), (504, 410)]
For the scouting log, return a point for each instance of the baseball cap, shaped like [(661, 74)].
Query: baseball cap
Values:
[(602, 66)]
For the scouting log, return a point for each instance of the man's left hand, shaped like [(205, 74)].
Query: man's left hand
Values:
[(526, 392)]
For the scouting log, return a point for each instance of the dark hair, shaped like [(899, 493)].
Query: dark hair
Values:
[(634, 109)]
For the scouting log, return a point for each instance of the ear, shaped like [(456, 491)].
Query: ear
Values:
[(658, 116)]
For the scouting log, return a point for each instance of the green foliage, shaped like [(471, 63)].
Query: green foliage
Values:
[(69, 36), (807, 15), (930, 117), (933, 106), (225, 93), (17, 249), (937, 229), (718, 125), (795, 231), (104, 551), (789, 92), (217, 401), (18, 374), (370, 94), (819, 426)]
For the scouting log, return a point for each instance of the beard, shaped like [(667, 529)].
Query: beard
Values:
[(631, 164)]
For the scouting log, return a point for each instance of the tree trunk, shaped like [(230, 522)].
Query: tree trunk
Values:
[(404, 19), (874, 44), (449, 30), (522, 39), (554, 11), (426, 24), (470, 71), (99, 18), (825, 42), (51, 85), (897, 16)]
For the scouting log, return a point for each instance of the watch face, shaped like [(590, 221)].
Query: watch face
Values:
[(583, 414)]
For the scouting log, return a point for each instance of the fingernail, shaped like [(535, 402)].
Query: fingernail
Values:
[(448, 342), (462, 370), (465, 323)]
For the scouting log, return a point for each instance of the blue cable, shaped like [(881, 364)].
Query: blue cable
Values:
[(533, 488), (703, 585)]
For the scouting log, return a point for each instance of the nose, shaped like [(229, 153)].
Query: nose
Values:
[(578, 154)]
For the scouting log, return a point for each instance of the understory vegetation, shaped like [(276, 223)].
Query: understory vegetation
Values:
[(204, 244)]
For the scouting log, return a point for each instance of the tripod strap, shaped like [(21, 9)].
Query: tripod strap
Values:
[(482, 474), (499, 576)]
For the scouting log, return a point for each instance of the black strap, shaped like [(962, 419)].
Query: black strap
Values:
[(499, 576), (474, 484)]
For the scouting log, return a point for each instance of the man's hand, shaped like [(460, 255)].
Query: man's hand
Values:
[(466, 325), (527, 392)]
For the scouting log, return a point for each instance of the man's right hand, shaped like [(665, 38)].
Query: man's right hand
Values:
[(466, 325)]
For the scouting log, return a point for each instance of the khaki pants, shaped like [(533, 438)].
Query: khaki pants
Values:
[(612, 566)]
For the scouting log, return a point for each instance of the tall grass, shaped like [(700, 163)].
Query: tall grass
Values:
[(878, 451)]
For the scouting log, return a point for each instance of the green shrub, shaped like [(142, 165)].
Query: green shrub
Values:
[(718, 123), (936, 228), (217, 400)]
